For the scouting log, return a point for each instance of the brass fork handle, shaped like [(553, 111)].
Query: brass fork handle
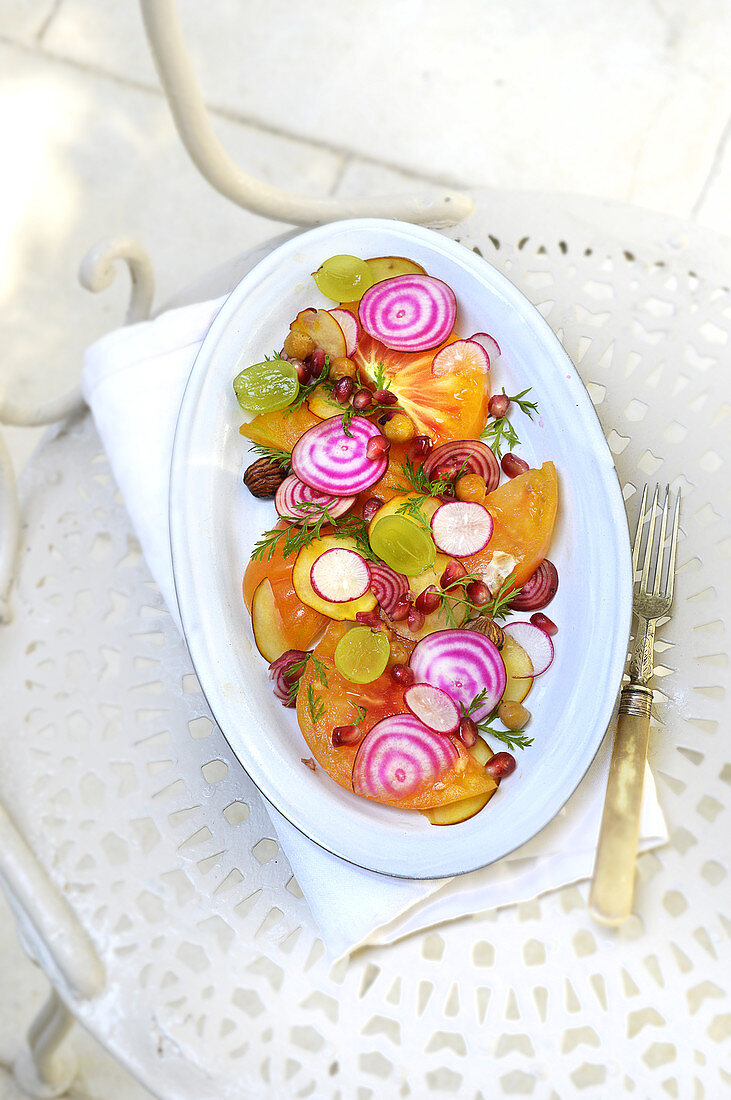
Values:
[(612, 888)]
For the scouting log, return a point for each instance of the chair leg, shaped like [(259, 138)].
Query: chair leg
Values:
[(41, 1069)]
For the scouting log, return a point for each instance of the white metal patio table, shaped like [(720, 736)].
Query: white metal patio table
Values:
[(163, 911)]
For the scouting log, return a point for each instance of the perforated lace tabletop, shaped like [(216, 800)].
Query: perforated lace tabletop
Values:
[(217, 984)]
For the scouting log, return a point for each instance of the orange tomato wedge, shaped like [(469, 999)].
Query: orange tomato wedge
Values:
[(524, 512), (337, 705), (452, 405), (302, 624)]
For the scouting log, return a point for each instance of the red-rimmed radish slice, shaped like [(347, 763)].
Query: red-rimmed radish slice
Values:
[(286, 672), (464, 456), (399, 757), (489, 343), (463, 663), (535, 642), (461, 528), (387, 585), (539, 589), (460, 356), (334, 461), (409, 313), (433, 707), (340, 575), (297, 502), (351, 328)]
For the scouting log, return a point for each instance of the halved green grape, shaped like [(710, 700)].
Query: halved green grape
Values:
[(362, 654), (343, 278), (404, 545), (266, 387)]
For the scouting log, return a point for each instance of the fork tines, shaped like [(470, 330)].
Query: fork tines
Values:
[(648, 548)]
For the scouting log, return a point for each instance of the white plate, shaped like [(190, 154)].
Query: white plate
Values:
[(214, 523)]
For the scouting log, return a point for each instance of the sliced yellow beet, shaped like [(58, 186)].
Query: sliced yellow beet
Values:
[(427, 506), (518, 667), (454, 812), (303, 585), (322, 403)]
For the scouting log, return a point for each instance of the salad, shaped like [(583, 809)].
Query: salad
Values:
[(398, 596)]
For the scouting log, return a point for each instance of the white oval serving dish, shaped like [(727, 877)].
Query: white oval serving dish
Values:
[(214, 523)]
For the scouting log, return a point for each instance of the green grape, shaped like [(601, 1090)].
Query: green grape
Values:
[(404, 545), (267, 386), (343, 278), (362, 654)]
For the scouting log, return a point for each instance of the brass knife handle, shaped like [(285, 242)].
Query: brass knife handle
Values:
[(613, 882)]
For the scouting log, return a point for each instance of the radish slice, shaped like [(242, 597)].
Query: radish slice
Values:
[(351, 328), (536, 644), (296, 501), (539, 589), (461, 528), (463, 663), (340, 575), (409, 313), (433, 707), (464, 456), (459, 356), (489, 343), (334, 461), (286, 672), (399, 757), (387, 585)]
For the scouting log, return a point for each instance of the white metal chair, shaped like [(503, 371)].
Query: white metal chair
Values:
[(136, 853)]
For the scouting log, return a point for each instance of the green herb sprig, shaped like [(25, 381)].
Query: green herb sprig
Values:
[(276, 457), (297, 671), (514, 739), (315, 705), (499, 432)]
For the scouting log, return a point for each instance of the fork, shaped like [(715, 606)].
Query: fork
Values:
[(612, 888)]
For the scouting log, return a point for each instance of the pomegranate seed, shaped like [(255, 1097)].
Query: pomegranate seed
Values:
[(377, 446), (544, 623), (402, 674), (498, 405), (385, 397), (452, 573), (370, 508), (343, 389), (468, 732), (362, 399), (419, 447), (369, 618), (316, 361), (400, 609), (428, 600), (512, 465), (346, 735), (415, 619), (449, 469), (500, 765), (478, 593), (304, 372)]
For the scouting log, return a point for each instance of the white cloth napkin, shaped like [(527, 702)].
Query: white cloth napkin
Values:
[(133, 381)]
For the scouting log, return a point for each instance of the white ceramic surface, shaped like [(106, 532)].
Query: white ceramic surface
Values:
[(214, 523)]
